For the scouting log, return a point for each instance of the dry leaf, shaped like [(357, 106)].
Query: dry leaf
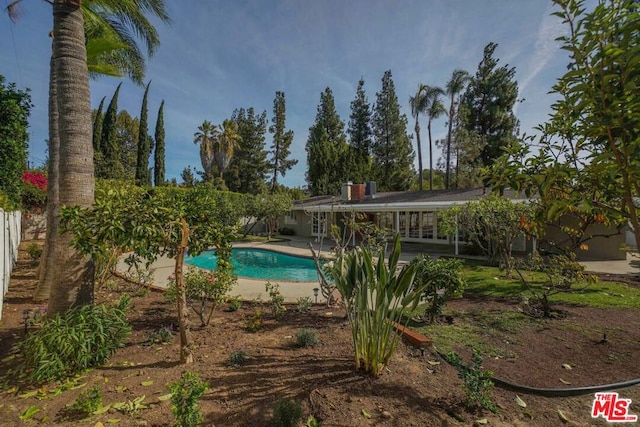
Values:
[(562, 416), (567, 366), (520, 402), (564, 382)]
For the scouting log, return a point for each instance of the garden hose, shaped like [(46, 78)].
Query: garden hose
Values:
[(556, 392)]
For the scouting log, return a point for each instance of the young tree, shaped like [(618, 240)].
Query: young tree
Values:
[(587, 165), (392, 152), (360, 135), (158, 156), (327, 149), (155, 222), (143, 175), (455, 85), (487, 106), (15, 107), (279, 163), (248, 169), (127, 142)]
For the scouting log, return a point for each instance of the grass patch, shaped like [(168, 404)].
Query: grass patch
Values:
[(485, 281), (479, 329)]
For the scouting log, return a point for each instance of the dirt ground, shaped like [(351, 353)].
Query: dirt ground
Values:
[(414, 390)]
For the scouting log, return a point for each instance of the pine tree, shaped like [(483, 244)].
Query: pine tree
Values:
[(143, 175), (248, 169), (279, 162), (110, 166), (393, 154), (327, 149), (360, 134), (158, 159), (97, 125), (487, 106)]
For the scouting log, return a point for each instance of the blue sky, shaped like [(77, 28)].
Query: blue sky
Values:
[(221, 55)]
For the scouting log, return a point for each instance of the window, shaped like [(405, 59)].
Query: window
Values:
[(402, 220), (319, 223), (427, 225), (414, 225)]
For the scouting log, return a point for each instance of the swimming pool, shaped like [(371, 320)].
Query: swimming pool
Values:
[(261, 264)]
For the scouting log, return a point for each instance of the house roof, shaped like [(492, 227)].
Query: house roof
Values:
[(393, 201)]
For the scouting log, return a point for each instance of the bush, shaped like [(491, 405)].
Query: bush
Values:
[(237, 358), (304, 304), (287, 413), (204, 290), (34, 191), (286, 231), (185, 396), (306, 338), (234, 304), (88, 402), (277, 300), (254, 322), (442, 280), (375, 294), (34, 250), (74, 341), (476, 382)]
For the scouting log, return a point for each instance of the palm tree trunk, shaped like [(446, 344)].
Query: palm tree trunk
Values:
[(72, 273), (53, 205), (430, 157), (417, 129), (448, 166)]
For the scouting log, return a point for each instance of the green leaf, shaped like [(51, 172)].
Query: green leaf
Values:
[(366, 414), (102, 410), (165, 397), (146, 383), (29, 412)]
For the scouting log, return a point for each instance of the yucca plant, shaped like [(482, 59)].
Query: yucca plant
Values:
[(375, 295)]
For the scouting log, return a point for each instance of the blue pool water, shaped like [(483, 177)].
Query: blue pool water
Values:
[(261, 264)]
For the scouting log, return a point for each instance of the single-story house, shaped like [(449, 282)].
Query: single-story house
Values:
[(413, 214)]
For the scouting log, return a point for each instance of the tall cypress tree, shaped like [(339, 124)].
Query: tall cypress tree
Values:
[(279, 163), (360, 135), (97, 125), (393, 154), (248, 169), (327, 149), (143, 175), (486, 107), (110, 166), (158, 157)]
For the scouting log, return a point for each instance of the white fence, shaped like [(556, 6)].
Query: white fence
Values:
[(9, 241)]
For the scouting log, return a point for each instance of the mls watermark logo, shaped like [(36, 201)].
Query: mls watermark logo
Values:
[(612, 408)]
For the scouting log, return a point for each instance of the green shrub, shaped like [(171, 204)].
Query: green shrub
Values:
[(287, 413), (234, 304), (34, 251), (307, 337), (304, 304), (276, 299), (74, 341), (204, 290), (185, 396), (237, 358), (88, 402), (375, 295), (476, 382), (286, 231), (254, 322), (164, 335), (442, 279)]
